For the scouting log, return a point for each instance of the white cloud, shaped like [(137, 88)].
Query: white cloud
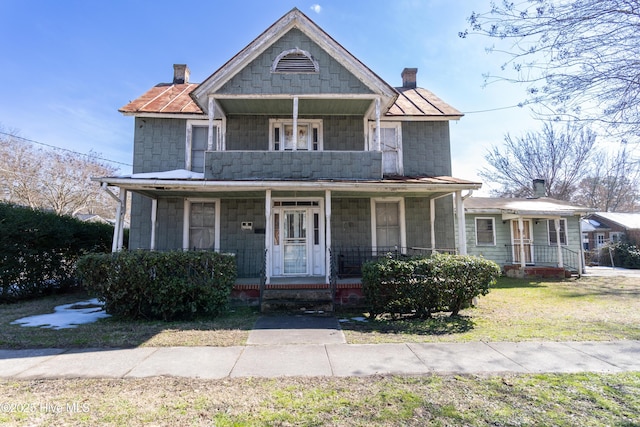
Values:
[(316, 8)]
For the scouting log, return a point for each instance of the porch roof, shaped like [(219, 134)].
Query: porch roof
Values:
[(181, 182), (526, 207)]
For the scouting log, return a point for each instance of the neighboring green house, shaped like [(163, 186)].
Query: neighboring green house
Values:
[(526, 236), (295, 157)]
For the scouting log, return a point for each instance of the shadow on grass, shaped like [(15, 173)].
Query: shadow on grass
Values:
[(436, 325), (228, 329), (514, 283)]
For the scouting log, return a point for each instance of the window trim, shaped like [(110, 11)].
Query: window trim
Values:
[(372, 136), (493, 229), (187, 217), (402, 219), (618, 234), (189, 135), (566, 234), (280, 123)]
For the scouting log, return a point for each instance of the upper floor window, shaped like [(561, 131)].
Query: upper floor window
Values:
[(552, 232), (308, 136), (390, 145), (294, 61), (197, 143)]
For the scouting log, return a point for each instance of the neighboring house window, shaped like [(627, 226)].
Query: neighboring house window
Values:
[(308, 137), (599, 240), (202, 224), (387, 223), (552, 232), (585, 241), (616, 236), (295, 61), (390, 145), (197, 144), (485, 232)]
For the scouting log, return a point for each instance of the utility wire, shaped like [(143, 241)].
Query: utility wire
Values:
[(63, 149)]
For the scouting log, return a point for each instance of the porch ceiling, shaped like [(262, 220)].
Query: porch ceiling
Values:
[(306, 107)]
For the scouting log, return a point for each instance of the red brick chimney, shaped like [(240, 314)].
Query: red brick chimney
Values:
[(409, 77)]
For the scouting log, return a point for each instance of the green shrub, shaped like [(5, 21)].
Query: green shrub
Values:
[(39, 250), (160, 285), (626, 255), (422, 286)]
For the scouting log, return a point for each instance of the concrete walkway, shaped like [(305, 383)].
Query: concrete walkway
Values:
[(326, 359)]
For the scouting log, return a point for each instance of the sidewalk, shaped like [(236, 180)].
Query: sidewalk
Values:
[(338, 360)]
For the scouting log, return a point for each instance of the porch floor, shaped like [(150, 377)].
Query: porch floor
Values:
[(302, 282)]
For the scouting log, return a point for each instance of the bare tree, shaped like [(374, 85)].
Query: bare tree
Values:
[(561, 158), (52, 179), (580, 59), (613, 184)]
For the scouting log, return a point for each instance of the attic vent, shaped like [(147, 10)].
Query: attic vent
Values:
[(294, 61)]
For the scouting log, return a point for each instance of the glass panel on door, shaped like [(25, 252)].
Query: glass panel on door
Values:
[(295, 242), (524, 240)]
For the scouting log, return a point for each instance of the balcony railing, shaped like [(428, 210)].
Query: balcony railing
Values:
[(546, 255), (261, 165)]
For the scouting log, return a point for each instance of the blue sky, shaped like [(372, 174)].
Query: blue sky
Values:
[(68, 65)]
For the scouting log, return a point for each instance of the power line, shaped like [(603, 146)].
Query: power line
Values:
[(63, 149), (495, 109)]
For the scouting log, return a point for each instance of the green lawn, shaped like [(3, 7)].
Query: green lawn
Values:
[(515, 310)]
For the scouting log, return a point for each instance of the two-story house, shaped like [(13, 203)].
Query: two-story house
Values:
[(295, 157)]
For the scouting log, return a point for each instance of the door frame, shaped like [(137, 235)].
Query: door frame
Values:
[(529, 244), (315, 253)]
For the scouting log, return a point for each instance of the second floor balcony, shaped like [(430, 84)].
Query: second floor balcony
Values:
[(302, 165)]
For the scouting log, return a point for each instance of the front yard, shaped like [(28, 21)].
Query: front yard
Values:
[(587, 309)]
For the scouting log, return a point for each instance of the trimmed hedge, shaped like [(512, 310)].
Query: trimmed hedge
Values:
[(422, 286), (160, 285), (39, 249)]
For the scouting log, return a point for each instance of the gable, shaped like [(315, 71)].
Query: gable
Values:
[(232, 79), (258, 78)]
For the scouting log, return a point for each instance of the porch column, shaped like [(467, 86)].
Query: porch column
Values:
[(154, 216), (268, 235), (462, 232), (116, 228), (120, 220), (432, 222), (212, 111), (557, 224), (378, 146), (523, 262), (295, 124), (327, 241)]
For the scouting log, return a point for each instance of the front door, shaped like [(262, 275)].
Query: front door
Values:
[(522, 241), (298, 239)]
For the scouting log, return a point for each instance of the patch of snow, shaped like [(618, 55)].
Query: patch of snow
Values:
[(66, 316), (173, 174), (360, 319)]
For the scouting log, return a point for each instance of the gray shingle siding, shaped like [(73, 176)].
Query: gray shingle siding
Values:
[(257, 77), (159, 144), (426, 149)]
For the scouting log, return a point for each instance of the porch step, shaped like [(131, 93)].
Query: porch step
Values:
[(296, 300)]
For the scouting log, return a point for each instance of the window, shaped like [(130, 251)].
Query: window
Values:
[(201, 224), (308, 137), (390, 145), (295, 61), (552, 232), (388, 224), (485, 231), (616, 236), (197, 144)]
